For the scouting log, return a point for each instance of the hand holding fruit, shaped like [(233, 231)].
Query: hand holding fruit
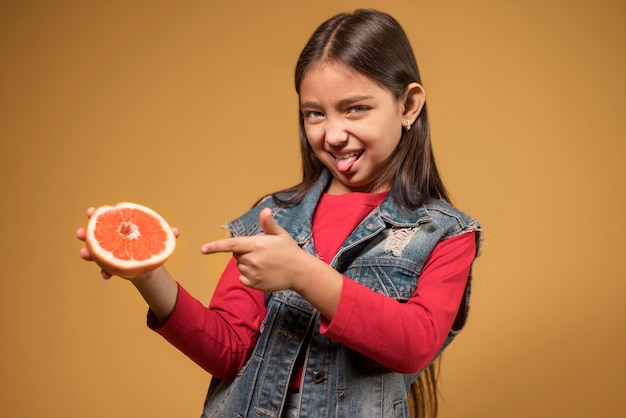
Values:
[(127, 240)]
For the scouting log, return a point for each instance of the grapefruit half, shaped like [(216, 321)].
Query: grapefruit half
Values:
[(128, 239)]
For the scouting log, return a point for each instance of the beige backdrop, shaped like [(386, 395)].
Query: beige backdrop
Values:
[(189, 107)]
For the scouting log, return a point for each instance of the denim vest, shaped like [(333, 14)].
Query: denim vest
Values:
[(386, 253)]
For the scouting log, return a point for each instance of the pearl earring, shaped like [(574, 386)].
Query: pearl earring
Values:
[(408, 125)]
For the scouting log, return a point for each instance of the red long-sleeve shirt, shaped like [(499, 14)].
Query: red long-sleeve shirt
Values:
[(221, 337)]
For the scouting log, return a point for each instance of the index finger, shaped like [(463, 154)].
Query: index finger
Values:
[(227, 245)]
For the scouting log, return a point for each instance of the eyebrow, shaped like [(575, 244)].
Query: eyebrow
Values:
[(340, 104)]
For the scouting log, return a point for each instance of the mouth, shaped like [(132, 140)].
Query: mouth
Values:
[(346, 161)]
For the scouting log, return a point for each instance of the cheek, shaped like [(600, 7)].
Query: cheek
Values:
[(315, 136)]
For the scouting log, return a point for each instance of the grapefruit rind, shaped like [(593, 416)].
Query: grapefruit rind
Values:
[(117, 260)]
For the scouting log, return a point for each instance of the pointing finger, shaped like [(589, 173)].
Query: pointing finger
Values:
[(220, 246)]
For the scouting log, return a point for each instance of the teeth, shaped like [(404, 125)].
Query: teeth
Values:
[(346, 156)]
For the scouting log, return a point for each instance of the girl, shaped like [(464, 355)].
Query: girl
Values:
[(344, 288)]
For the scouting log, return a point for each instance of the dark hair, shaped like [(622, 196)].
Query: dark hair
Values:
[(375, 45)]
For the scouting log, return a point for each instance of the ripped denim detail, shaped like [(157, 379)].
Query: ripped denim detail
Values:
[(398, 239)]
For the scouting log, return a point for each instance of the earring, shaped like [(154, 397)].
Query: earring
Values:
[(408, 125)]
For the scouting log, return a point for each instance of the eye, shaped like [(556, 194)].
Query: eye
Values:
[(312, 115), (358, 109)]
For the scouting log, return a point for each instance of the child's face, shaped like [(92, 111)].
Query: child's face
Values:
[(352, 124)]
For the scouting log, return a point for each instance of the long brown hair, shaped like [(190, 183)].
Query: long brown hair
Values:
[(423, 393), (374, 44)]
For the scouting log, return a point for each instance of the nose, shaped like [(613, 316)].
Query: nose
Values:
[(336, 134)]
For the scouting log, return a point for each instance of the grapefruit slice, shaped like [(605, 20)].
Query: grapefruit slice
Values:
[(128, 239)]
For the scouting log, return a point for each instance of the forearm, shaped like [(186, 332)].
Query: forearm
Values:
[(159, 290), (420, 326), (320, 285), (220, 337), (410, 334)]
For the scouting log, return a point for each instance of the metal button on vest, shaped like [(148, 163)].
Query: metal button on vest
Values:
[(318, 376)]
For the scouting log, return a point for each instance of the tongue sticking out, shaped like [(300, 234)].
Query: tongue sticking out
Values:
[(345, 164)]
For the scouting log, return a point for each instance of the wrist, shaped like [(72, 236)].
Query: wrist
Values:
[(144, 278), (307, 275), (159, 290), (320, 285), (141, 279)]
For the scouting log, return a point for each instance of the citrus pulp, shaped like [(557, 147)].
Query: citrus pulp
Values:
[(128, 239)]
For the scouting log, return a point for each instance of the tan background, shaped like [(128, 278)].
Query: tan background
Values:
[(189, 107)]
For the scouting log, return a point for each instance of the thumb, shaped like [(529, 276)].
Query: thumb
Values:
[(269, 225)]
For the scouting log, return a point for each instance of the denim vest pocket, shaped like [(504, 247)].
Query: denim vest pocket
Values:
[(400, 409), (392, 276)]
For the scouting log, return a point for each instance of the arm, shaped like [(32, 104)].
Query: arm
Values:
[(220, 337), (159, 290), (273, 261), (364, 318), (157, 287)]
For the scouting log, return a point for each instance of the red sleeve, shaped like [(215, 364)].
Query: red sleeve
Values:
[(221, 337), (365, 318)]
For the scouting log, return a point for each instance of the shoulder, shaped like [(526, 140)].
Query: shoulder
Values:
[(436, 213), (449, 220), (443, 211), (286, 214), (248, 223)]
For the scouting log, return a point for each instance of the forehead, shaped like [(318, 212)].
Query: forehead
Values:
[(327, 80)]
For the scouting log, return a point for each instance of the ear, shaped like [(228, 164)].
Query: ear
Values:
[(414, 102)]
